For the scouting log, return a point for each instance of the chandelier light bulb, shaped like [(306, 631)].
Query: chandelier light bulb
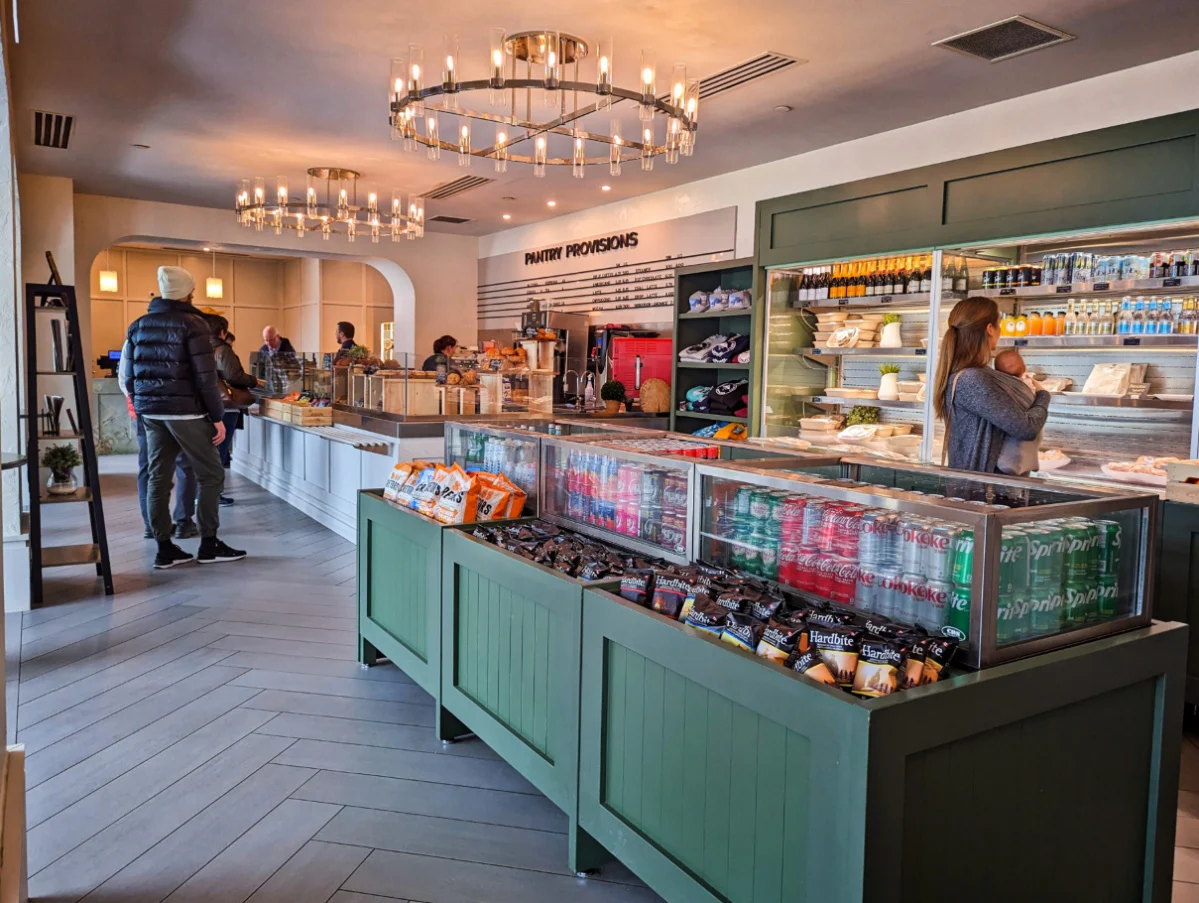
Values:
[(464, 145), (501, 149), (691, 104), (343, 203), (372, 202), (603, 74), (278, 219), (434, 145), (326, 228), (579, 156), (647, 149), (496, 81), (553, 68), (673, 130), (614, 148), (648, 82), (259, 190), (416, 59), (375, 230), (300, 230), (449, 73), (351, 229), (539, 157)]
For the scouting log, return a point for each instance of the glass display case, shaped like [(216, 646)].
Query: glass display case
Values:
[(1009, 567)]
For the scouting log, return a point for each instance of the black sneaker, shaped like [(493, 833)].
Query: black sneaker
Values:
[(227, 500), (186, 530), (149, 534), (170, 555), (213, 550)]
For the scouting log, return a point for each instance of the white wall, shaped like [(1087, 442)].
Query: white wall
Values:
[(1155, 89)]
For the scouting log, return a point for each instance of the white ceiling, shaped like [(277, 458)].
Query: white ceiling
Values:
[(226, 89)]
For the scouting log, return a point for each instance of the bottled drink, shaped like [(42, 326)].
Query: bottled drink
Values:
[(1151, 317), (961, 279), (1061, 322), (1071, 319), (901, 277), (926, 275), (947, 274), (1165, 319), (1021, 326), (1048, 323), (1179, 260), (1124, 324), (1087, 321), (1138, 317), (1187, 324), (1034, 323)]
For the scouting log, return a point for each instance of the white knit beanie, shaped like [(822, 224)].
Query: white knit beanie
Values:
[(175, 283)]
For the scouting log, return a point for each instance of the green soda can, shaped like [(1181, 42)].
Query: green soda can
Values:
[(768, 554), (957, 618), (775, 504), (1074, 605), (751, 551), (1107, 554), (759, 505), (1046, 609), (963, 559), (741, 535), (1013, 585), (1005, 619), (1044, 556), (1108, 595), (1076, 554), (742, 499)]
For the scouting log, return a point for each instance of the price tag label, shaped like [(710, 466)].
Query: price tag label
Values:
[(841, 302), (920, 352), (1019, 343), (885, 299), (1101, 286), (1171, 283), (1064, 289), (1007, 291), (1131, 342)]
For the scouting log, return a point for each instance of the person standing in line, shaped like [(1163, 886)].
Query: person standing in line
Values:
[(275, 345), (172, 378), (230, 370), (345, 339)]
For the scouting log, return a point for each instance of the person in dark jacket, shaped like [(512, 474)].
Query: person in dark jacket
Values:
[(345, 339), (275, 345), (443, 353), (230, 370), (173, 381)]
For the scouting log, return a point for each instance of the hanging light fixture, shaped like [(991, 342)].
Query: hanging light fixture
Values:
[(336, 212), (547, 63), (108, 276), (214, 288)]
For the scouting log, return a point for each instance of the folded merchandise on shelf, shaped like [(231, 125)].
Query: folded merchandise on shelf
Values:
[(700, 352), (718, 349), (735, 432)]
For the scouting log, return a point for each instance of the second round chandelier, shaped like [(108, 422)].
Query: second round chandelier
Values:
[(533, 89)]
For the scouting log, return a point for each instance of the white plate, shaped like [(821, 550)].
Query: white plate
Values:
[(1161, 397), (1142, 479), (1094, 394), (1052, 463)]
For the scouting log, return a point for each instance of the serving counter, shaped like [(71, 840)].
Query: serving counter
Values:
[(716, 774)]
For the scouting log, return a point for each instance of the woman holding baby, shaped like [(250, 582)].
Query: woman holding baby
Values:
[(993, 417)]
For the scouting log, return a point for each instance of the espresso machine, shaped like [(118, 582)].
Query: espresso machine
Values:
[(566, 356)]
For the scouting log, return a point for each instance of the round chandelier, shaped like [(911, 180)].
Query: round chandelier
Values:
[(335, 211), (546, 63)]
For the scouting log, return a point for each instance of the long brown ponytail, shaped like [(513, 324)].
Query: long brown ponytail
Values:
[(965, 344)]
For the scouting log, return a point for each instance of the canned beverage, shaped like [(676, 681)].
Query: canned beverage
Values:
[(1107, 597), (1013, 563), (759, 505), (963, 559), (875, 544), (813, 521), (776, 502), (827, 537), (845, 581), (910, 597), (936, 609), (1076, 604), (913, 540), (649, 528), (1076, 553), (1107, 553), (957, 618), (888, 582), (741, 500), (1046, 609), (652, 484), (674, 537), (806, 564), (938, 558), (750, 553), (768, 555), (866, 593), (674, 494), (826, 575), (1045, 556), (791, 519), (989, 277), (628, 518), (788, 564), (849, 531)]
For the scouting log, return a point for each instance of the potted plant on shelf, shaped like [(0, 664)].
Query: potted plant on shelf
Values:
[(61, 460), (888, 386), (891, 336), (613, 396)]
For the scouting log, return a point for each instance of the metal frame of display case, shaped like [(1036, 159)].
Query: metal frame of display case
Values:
[(987, 525)]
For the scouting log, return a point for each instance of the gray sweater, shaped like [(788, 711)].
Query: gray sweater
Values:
[(983, 414)]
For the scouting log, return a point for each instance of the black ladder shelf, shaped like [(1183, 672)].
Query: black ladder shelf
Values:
[(60, 298)]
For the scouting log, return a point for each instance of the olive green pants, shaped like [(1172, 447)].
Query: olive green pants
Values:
[(165, 439)]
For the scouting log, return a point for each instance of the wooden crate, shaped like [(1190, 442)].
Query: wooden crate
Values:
[(275, 409), (305, 415)]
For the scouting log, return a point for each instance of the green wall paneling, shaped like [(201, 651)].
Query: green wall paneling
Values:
[(718, 777), (1140, 172), (510, 666), (1176, 594)]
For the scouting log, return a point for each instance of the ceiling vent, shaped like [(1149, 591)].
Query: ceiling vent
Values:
[(1004, 40), (743, 73), (52, 129), (456, 187), (456, 220)]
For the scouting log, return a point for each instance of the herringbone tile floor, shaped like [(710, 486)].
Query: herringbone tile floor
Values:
[(206, 735)]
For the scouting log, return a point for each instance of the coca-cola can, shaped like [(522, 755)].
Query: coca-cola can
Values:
[(912, 596), (791, 520), (788, 563), (826, 574), (826, 539), (936, 609), (849, 530), (845, 581), (886, 596), (813, 522), (913, 540), (938, 560), (806, 565), (866, 592)]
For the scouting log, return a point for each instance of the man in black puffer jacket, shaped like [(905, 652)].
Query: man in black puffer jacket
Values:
[(172, 379)]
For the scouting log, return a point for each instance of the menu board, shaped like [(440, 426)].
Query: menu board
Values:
[(625, 275)]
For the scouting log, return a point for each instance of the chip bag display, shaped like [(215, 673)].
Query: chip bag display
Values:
[(493, 498), (742, 631), (838, 647), (811, 666), (879, 664), (399, 476), (407, 489), (459, 499)]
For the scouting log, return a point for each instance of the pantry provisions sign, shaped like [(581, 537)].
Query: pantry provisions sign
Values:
[(629, 271)]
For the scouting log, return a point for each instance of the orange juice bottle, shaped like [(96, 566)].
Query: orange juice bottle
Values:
[(1048, 324), (1021, 327), (1034, 323), (1007, 326)]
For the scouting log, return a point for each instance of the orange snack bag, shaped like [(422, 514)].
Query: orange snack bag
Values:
[(406, 494), (458, 502), (494, 498), (399, 476), (429, 489), (518, 498)]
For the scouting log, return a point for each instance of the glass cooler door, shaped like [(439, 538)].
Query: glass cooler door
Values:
[(514, 453)]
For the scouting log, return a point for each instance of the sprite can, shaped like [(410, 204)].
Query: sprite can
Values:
[(741, 500), (1107, 552), (1080, 604), (1013, 613), (1108, 595), (1076, 554), (957, 618), (962, 565), (1044, 556), (1045, 609)]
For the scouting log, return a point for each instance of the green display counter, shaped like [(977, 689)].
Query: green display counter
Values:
[(510, 667), (715, 776)]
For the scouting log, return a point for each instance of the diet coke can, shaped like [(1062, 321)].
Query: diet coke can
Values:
[(886, 596), (826, 574), (849, 531), (788, 563), (866, 593), (912, 598), (813, 522), (938, 558), (806, 563), (845, 581), (936, 611), (791, 520), (913, 540)]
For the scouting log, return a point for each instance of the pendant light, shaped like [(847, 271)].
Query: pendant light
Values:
[(108, 276), (215, 288)]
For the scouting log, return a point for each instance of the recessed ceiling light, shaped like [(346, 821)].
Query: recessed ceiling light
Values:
[(141, 146), (208, 249), (507, 197), (783, 108), (605, 188), (551, 203), (507, 216)]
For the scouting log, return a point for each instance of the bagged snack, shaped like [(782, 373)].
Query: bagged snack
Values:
[(407, 489), (459, 498), (764, 607), (493, 499), (427, 504), (734, 599), (780, 640), (707, 615), (839, 647), (879, 663), (636, 586), (913, 669), (670, 592), (516, 496), (829, 617), (399, 475), (424, 493), (811, 666), (742, 631), (939, 654)]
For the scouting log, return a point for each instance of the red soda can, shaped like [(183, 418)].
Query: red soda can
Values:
[(789, 563), (813, 522), (791, 519), (845, 581), (849, 530), (826, 574), (805, 568), (826, 539)]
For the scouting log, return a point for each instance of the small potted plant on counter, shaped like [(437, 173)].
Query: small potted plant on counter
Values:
[(613, 396), (61, 460)]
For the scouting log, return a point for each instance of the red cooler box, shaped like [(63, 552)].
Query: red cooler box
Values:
[(656, 356)]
